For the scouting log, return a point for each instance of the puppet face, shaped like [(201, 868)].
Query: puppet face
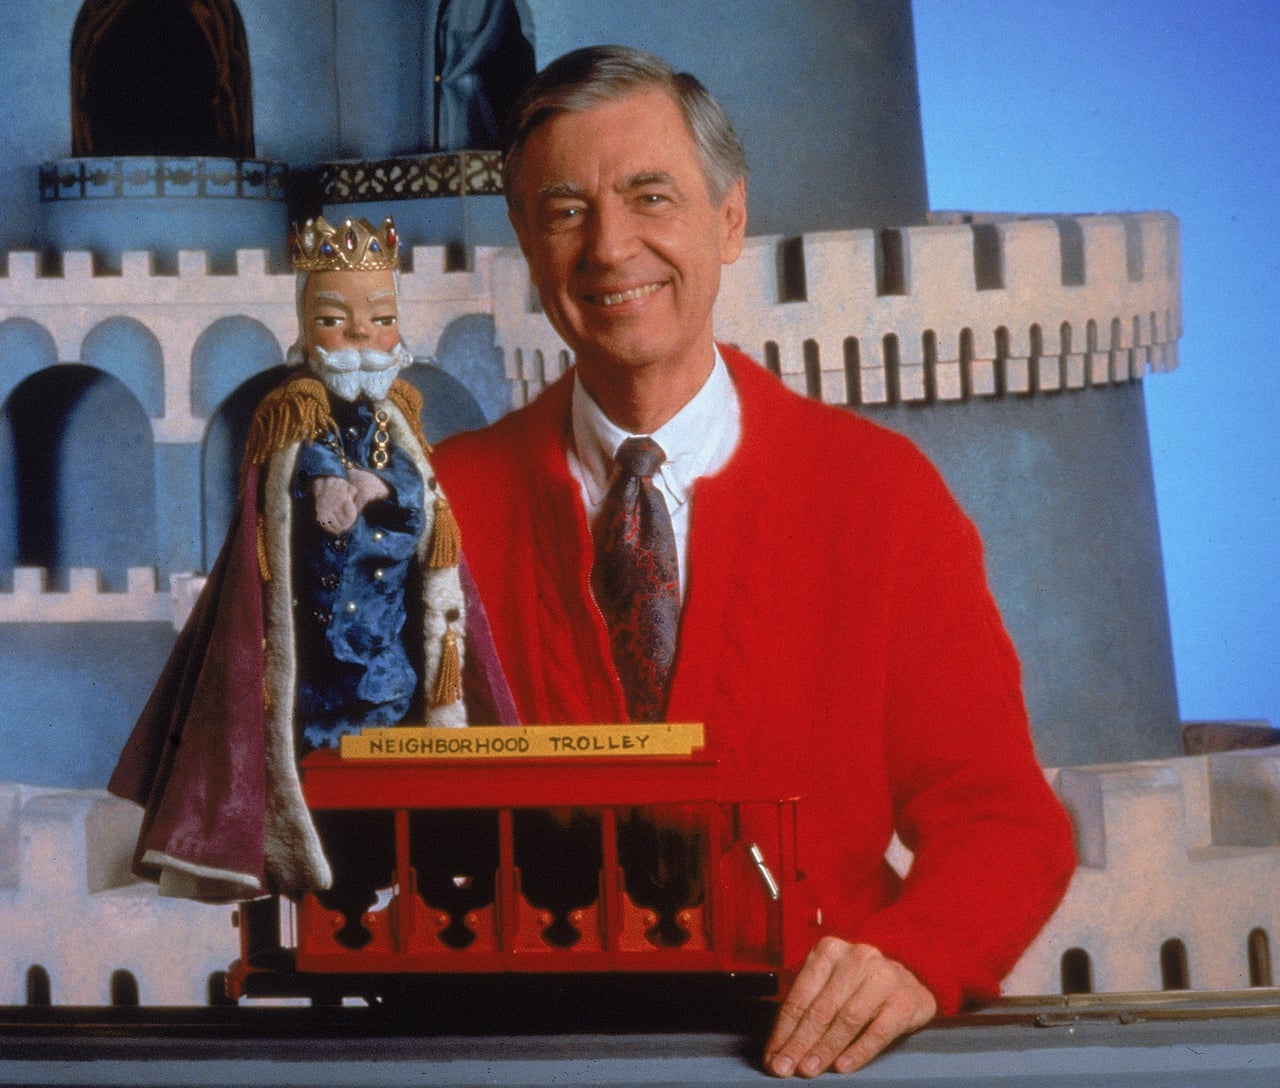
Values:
[(351, 310), (622, 238), (352, 334)]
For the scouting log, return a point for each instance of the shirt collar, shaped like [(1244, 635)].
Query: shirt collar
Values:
[(696, 439)]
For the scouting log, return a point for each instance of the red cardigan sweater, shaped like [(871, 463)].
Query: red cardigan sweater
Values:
[(839, 642)]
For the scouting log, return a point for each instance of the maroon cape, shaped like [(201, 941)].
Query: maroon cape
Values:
[(196, 760)]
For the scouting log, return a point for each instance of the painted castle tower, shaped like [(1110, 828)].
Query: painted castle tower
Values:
[(155, 153)]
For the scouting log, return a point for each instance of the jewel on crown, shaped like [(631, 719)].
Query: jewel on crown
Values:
[(354, 246)]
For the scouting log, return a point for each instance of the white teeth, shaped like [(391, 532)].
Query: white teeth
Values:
[(629, 296)]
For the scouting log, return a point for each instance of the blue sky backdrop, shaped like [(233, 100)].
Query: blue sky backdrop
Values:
[(1130, 105)]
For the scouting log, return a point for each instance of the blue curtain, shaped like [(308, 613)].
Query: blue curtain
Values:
[(476, 58)]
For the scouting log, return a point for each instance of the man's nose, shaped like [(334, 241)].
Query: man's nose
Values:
[(611, 234), (359, 328)]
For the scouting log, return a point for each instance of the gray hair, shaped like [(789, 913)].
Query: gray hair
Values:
[(597, 74)]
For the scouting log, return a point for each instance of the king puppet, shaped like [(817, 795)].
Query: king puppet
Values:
[(339, 601)]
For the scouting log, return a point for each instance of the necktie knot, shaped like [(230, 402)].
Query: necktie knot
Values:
[(640, 457)]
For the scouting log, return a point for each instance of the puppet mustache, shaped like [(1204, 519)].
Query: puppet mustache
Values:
[(345, 360), (351, 372)]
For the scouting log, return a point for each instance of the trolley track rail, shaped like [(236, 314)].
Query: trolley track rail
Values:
[(1185, 1038)]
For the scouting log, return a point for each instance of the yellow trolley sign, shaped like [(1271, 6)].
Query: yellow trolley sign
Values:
[(525, 742)]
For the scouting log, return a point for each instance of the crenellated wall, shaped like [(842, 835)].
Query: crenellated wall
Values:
[(178, 310), (1177, 862), (86, 601), (939, 312), (79, 926)]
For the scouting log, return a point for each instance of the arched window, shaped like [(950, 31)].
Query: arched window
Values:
[(892, 362), (1259, 946), (1077, 972), (1064, 355), (1114, 358), (124, 989), (812, 370), (84, 474), (223, 449), (1002, 360), (160, 77), (853, 370), (1174, 972), (39, 991), (929, 349)]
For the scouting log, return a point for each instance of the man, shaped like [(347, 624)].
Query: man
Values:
[(338, 602), (835, 633)]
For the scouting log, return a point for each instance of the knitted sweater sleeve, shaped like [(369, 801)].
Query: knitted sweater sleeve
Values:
[(992, 846)]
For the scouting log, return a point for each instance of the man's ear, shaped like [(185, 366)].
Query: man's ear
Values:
[(517, 224), (733, 221)]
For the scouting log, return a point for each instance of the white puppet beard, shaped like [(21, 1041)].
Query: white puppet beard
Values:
[(352, 372)]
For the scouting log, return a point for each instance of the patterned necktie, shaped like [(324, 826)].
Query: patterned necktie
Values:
[(639, 579)]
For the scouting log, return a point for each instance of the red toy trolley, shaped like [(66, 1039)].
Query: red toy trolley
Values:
[(538, 849)]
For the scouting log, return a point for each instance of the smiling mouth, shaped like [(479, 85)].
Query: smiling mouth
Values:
[(618, 297)]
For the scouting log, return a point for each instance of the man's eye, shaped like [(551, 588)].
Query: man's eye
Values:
[(387, 320), (328, 321), (563, 218)]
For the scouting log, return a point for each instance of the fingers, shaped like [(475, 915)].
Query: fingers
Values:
[(901, 1012), (848, 1003), (368, 486), (798, 1026), (335, 504)]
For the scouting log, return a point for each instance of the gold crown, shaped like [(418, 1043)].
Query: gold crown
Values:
[(354, 246)]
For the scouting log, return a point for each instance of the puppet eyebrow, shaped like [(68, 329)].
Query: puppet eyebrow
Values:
[(341, 300)]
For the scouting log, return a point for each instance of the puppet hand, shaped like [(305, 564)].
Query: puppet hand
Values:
[(368, 486), (847, 1004), (336, 509)]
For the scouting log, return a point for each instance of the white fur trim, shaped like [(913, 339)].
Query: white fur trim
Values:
[(295, 858), (181, 879), (441, 589)]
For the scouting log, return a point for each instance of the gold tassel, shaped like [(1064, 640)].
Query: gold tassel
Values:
[(448, 687), (405, 397), (297, 411), (264, 564), (446, 538)]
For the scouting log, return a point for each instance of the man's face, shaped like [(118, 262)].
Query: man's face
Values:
[(623, 242)]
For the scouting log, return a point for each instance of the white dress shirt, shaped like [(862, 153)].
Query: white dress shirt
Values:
[(698, 441)]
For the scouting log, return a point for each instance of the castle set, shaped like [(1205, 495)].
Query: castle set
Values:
[(145, 306)]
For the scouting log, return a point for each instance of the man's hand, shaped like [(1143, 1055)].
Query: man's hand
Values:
[(847, 1004)]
